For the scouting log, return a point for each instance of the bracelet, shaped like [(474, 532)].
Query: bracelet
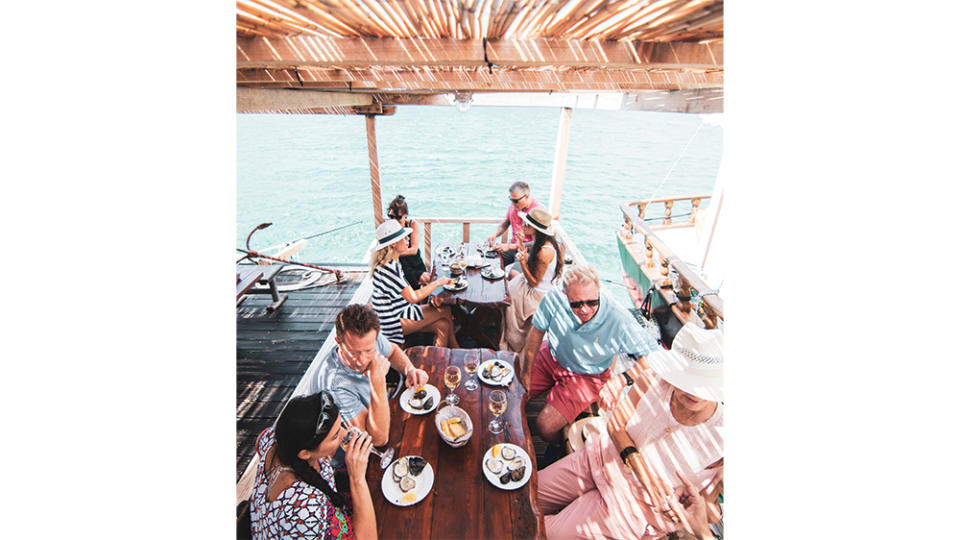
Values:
[(625, 453), (628, 378)]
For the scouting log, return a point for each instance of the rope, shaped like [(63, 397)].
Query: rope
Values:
[(682, 153)]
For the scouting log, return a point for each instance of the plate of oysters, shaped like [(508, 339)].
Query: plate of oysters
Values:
[(408, 482), (491, 272), (507, 466), (420, 400), (495, 372), (459, 283)]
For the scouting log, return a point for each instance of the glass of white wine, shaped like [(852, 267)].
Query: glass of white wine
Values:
[(498, 406), (451, 378), (470, 365), (352, 431)]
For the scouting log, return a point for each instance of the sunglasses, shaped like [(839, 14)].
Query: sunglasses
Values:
[(327, 413), (522, 197), (391, 216), (592, 303)]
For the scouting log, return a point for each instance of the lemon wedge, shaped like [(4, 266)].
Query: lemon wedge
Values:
[(408, 497), (495, 451)]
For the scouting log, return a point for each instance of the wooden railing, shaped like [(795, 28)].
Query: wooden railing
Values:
[(668, 204), (466, 222), (660, 259)]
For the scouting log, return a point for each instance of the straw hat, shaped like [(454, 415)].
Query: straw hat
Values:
[(694, 362), (390, 232), (539, 219)]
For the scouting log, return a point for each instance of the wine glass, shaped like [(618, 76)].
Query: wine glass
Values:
[(470, 364), (498, 406), (352, 431), (451, 378)]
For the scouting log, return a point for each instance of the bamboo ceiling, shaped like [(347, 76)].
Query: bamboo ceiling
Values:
[(396, 49)]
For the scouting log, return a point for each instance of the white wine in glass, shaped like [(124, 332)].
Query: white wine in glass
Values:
[(470, 365), (498, 406), (352, 431), (451, 378)]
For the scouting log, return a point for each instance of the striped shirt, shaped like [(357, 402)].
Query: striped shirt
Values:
[(390, 306)]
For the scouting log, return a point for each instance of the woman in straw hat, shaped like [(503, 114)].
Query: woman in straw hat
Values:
[(667, 429), (396, 302), (540, 267)]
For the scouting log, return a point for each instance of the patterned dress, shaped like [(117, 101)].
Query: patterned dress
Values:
[(300, 511), (388, 282)]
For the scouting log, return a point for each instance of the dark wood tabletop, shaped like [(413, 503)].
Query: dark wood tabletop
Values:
[(462, 503), (480, 292)]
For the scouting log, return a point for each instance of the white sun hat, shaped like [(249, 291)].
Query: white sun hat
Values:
[(694, 362), (539, 219), (390, 232)]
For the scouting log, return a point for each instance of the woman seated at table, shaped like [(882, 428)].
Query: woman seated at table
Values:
[(413, 268), (667, 428), (295, 494), (396, 302), (541, 266)]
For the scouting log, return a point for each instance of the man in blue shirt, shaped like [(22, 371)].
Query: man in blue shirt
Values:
[(585, 329), (355, 371)]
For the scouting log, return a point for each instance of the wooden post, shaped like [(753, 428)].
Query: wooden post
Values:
[(668, 212), (560, 161), (374, 169), (693, 210), (466, 232), (427, 250)]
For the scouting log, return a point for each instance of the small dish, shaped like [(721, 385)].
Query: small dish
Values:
[(391, 488), (432, 393), (494, 454), (485, 372), (493, 273), (452, 411)]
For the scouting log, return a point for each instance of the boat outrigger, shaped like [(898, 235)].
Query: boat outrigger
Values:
[(373, 59)]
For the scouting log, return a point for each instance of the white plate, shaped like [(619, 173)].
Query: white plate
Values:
[(492, 273), (503, 381), (408, 393), (452, 288), (495, 478), (391, 489)]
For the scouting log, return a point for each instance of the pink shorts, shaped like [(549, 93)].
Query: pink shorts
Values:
[(570, 393)]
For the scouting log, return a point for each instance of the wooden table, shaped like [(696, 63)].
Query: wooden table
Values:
[(462, 503), (485, 297)]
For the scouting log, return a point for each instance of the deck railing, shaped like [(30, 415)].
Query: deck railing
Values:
[(668, 204), (659, 260), (465, 222)]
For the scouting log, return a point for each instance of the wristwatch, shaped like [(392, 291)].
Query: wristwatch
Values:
[(628, 378), (625, 453)]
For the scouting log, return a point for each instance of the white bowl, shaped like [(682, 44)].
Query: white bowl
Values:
[(447, 412)]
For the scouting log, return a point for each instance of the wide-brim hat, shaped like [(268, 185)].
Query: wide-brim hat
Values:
[(390, 232), (694, 362), (539, 219)]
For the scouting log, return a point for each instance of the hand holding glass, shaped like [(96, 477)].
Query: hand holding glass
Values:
[(352, 431), (498, 406), (451, 378)]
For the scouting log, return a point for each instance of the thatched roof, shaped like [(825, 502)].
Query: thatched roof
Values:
[(383, 52)]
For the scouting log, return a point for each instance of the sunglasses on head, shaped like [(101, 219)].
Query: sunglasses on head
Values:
[(518, 199), (327, 414), (592, 303)]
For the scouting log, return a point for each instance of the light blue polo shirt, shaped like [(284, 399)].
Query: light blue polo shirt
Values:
[(589, 348), (350, 389)]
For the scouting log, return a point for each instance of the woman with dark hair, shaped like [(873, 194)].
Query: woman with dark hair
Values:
[(295, 494), (410, 260), (540, 267)]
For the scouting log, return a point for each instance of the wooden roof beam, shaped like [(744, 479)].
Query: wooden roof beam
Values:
[(274, 99), (478, 80), (323, 52)]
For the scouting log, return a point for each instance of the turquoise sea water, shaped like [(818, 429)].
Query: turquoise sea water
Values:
[(310, 173)]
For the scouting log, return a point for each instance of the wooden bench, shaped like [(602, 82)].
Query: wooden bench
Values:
[(265, 276)]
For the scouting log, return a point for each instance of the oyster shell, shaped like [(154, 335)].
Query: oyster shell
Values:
[(420, 394), (508, 453), (427, 403), (494, 465), (400, 469), (506, 478), (416, 464), (517, 475), (515, 464), (407, 483)]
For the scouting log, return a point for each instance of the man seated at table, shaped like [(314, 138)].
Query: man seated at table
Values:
[(520, 201), (585, 329), (355, 371)]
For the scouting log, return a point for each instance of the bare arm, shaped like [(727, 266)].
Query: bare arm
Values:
[(376, 419), (641, 374), (545, 255), (526, 363), (500, 230), (364, 518), (411, 374), (419, 295)]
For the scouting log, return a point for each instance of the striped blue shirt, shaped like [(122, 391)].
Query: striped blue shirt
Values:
[(389, 304)]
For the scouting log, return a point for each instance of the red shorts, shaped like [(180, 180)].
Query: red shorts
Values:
[(570, 393)]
